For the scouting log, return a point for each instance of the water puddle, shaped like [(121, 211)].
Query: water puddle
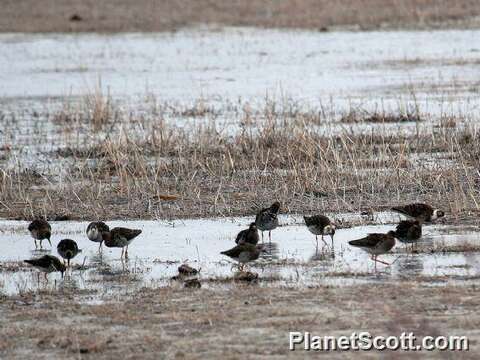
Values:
[(447, 253)]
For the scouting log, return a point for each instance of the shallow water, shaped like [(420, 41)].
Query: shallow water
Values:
[(380, 68), (292, 259)]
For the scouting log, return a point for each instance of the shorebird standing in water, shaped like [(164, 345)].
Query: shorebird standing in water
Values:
[(267, 219), (249, 235), (68, 249), (244, 253), (95, 231), (421, 212), (376, 244), (120, 237), (409, 232), (40, 230), (47, 264), (320, 225)]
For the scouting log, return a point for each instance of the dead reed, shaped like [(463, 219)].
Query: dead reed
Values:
[(173, 163)]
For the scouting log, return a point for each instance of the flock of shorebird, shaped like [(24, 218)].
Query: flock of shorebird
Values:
[(248, 248)]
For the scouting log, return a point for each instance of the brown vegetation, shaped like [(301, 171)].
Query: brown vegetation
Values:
[(131, 166), (148, 15)]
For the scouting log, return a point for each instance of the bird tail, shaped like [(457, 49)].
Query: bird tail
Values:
[(136, 232), (399, 209), (31, 262), (358, 242)]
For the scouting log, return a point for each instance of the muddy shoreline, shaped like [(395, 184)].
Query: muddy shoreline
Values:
[(185, 324), (148, 16)]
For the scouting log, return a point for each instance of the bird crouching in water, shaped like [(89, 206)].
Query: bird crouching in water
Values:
[(267, 219), (244, 253), (68, 249), (320, 225), (421, 212), (249, 235), (409, 232), (376, 244), (95, 231), (120, 237), (40, 230), (47, 264)]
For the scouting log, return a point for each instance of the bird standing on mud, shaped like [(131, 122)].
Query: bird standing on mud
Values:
[(40, 230), (267, 219), (95, 231), (120, 237), (244, 253), (320, 225), (249, 235), (409, 232), (376, 244), (68, 249), (421, 212), (47, 264)]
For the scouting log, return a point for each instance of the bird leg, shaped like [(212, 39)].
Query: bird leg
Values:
[(262, 237), (380, 261), (121, 256), (41, 247), (36, 246), (269, 236), (324, 241), (100, 247), (126, 252)]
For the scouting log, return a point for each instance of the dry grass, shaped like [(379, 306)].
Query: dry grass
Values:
[(141, 166), (146, 15)]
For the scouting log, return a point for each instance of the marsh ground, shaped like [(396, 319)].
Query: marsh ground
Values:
[(244, 321), (147, 15), (217, 122)]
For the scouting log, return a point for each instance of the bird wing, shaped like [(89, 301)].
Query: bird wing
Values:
[(369, 241)]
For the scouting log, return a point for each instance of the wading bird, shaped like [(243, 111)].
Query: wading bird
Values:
[(244, 253), (68, 249), (376, 244), (267, 219), (47, 264), (95, 231), (421, 212), (40, 230), (320, 225), (120, 237), (249, 235)]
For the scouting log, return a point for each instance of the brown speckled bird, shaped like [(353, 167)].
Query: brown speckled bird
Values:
[(244, 253), (376, 244), (421, 212), (47, 264), (249, 235), (68, 249), (40, 230), (320, 225), (409, 232), (120, 237), (267, 219), (95, 231)]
